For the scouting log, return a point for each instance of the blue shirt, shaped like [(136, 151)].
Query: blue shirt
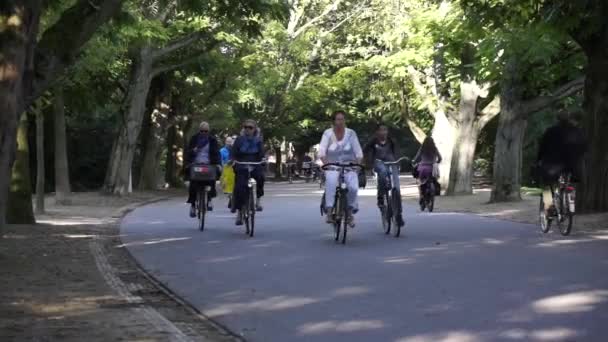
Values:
[(225, 155)]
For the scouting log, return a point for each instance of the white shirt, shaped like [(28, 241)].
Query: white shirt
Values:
[(340, 151)]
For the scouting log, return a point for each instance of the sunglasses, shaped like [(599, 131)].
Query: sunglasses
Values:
[(248, 127), (204, 131)]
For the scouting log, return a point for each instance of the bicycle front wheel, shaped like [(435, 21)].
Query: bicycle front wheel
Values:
[(385, 213), (396, 211), (251, 208), (202, 208), (567, 216)]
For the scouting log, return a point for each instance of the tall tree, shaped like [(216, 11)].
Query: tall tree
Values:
[(62, 171), (29, 65)]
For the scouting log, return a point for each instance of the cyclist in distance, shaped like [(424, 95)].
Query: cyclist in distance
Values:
[(561, 149), (427, 156), (202, 149), (340, 144), (248, 147), (383, 148)]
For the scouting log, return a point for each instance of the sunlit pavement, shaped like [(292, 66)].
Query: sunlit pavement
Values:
[(450, 277)]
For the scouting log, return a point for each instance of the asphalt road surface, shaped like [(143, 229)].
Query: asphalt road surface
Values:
[(450, 277)]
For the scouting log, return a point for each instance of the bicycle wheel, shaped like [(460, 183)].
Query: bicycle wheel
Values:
[(202, 208), (396, 211), (566, 225), (545, 222), (337, 215), (345, 227), (251, 214), (385, 213)]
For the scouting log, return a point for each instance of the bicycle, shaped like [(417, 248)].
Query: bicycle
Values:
[(198, 173), (339, 210), (563, 206), (392, 210), (248, 210), (427, 193)]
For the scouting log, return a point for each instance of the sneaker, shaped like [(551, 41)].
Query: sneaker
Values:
[(258, 205), (209, 205), (192, 211)]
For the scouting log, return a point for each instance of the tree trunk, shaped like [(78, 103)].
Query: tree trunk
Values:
[(461, 171), (123, 151), (593, 190), (509, 141), (466, 132), (156, 133), (40, 172), (62, 172), (20, 210), (16, 44), (279, 161), (443, 135)]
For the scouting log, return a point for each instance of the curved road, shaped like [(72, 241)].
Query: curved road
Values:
[(451, 277)]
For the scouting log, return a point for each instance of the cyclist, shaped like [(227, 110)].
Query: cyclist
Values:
[(427, 156), (248, 147), (561, 149), (383, 148), (307, 165), (202, 149), (227, 179), (341, 145)]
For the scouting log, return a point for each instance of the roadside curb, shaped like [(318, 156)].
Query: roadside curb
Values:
[(191, 309)]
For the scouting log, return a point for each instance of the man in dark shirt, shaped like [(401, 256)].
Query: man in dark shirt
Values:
[(561, 149), (383, 148)]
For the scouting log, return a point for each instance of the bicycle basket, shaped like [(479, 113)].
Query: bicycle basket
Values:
[(203, 173)]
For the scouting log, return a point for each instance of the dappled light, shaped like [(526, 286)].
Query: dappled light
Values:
[(583, 301), (153, 242), (276, 303), (452, 336), (339, 327)]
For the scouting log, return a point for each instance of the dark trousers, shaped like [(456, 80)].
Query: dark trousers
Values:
[(241, 190), (196, 185)]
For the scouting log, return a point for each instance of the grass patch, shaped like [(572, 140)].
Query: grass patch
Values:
[(531, 191)]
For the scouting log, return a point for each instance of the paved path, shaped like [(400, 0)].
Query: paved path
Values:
[(451, 277)]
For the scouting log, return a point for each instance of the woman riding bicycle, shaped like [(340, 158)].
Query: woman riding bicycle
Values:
[(247, 148), (427, 156), (341, 145), (202, 149)]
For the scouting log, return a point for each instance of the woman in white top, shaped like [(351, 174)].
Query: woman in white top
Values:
[(341, 145)]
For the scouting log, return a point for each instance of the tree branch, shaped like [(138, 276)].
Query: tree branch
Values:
[(194, 57), (330, 8), (489, 112), (542, 102), (176, 45), (61, 43)]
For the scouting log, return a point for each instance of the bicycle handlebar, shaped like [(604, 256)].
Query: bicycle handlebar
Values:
[(340, 165), (250, 163), (398, 161)]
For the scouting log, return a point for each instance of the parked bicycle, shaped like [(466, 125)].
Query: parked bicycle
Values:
[(339, 209), (248, 210), (391, 210), (563, 209)]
